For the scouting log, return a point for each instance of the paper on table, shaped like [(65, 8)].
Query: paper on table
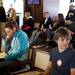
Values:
[(2, 55)]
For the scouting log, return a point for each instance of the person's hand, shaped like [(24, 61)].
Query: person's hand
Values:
[(3, 55), (7, 38)]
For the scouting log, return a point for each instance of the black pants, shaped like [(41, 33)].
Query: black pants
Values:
[(6, 67), (3, 67)]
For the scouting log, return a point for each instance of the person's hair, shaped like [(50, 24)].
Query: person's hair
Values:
[(61, 17), (61, 32), (11, 24), (71, 6)]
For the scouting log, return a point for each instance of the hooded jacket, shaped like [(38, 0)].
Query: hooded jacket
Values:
[(18, 47)]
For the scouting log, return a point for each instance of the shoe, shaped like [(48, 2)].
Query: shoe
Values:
[(47, 47), (47, 40)]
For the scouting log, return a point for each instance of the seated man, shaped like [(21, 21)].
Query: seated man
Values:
[(62, 58), (16, 45), (45, 28)]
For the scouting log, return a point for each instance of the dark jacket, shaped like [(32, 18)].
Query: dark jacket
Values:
[(29, 22), (46, 25), (71, 15), (2, 14)]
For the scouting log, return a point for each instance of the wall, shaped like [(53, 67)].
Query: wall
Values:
[(64, 6), (56, 6), (35, 9), (52, 6)]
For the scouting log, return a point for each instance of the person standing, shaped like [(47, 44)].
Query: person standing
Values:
[(2, 13), (11, 14), (2, 20)]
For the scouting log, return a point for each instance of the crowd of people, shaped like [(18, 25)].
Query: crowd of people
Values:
[(17, 41)]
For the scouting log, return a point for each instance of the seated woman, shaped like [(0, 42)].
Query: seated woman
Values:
[(28, 24), (60, 21)]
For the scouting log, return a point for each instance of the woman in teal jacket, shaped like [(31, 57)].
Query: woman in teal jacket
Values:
[(16, 44)]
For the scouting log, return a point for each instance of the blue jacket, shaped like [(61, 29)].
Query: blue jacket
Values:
[(19, 46)]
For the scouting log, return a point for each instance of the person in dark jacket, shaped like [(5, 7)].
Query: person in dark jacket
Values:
[(45, 28), (71, 14), (2, 19), (2, 13), (28, 24)]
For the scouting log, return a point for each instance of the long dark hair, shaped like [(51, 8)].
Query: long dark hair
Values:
[(61, 17), (61, 20)]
